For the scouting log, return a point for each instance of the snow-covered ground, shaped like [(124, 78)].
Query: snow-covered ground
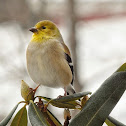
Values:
[(101, 50)]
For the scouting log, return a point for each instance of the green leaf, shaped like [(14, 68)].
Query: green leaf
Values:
[(101, 103), (73, 97), (36, 116), (69, 105), (21, 118), (45, 98), (53, 118), (122, 68), (40, 118), (66, 101), (110, 121), (7, 119)]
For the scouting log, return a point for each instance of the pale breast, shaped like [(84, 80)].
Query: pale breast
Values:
[(47, 65)]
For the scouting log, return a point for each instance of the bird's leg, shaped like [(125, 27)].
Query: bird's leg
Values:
[(65, 94)]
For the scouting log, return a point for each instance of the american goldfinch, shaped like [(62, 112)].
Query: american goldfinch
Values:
[(48, 58)]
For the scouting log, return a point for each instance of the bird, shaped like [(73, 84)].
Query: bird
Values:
[(48, 58)]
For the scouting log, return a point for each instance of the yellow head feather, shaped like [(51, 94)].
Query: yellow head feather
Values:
[(45, 30)]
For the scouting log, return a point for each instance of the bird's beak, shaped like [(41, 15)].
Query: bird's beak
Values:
[(33, 30)]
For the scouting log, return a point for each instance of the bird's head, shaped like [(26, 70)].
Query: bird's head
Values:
[(45, 30)]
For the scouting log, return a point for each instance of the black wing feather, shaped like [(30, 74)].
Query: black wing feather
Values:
[(69, 60)]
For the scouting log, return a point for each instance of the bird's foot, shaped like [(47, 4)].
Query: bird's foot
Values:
[(60, 96)]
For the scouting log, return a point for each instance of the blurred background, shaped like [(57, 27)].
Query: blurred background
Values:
[(94, 30)]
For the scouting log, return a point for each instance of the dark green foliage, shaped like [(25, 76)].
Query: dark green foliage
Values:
[(101, 103)]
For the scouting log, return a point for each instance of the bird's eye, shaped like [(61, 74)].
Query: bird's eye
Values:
[(43, 27)]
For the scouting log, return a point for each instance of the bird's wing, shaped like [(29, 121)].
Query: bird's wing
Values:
[(69, 60)]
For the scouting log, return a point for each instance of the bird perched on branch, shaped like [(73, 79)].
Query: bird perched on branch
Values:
[(48, 58)]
